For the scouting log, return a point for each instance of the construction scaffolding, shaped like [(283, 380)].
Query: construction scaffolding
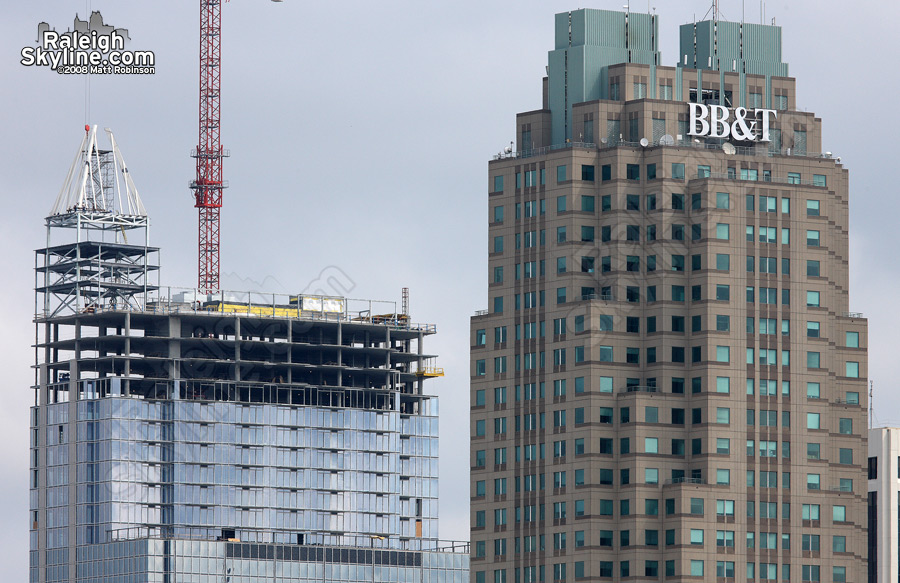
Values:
[(100, 268)]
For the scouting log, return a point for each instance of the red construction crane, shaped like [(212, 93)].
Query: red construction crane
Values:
[(208, 184)]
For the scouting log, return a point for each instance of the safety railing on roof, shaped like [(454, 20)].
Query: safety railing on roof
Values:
[(761, 149), (544, 150), (604, 297), (843, 401), (173, 300), (684, 480), (768, 179), (259, 536)]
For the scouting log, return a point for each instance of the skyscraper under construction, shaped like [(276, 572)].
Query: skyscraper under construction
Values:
[(668, 382), (226, 437)]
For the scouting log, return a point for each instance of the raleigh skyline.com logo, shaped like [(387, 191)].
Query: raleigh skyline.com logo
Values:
[(92, 47)]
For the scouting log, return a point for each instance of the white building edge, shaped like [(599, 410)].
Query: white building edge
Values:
[(884, 498)]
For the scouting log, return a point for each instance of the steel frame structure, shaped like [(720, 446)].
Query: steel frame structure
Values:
[(89, 275), (97, 208)]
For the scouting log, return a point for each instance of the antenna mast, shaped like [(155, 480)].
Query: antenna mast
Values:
[(871, 395)]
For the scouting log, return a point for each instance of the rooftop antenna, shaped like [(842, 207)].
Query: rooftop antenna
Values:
[(87, 77), (714, 9), (870, 403)]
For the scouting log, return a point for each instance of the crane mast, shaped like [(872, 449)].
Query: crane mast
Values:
[(208, 185)]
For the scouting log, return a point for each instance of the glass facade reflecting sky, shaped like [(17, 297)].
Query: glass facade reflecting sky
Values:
[(221, 465)]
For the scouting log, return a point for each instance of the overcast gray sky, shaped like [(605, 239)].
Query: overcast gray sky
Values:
[(360, 134)]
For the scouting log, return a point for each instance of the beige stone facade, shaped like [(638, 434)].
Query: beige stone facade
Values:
[(668, 382)]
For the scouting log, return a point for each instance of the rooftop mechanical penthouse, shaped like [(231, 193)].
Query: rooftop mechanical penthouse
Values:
[(186, 437), (668, 382)]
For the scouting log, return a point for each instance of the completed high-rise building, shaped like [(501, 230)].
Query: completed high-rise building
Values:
[(884, 504), (668, 382)]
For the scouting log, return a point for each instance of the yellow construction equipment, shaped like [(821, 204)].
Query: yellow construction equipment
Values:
[(278, 311), (429, 370)]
